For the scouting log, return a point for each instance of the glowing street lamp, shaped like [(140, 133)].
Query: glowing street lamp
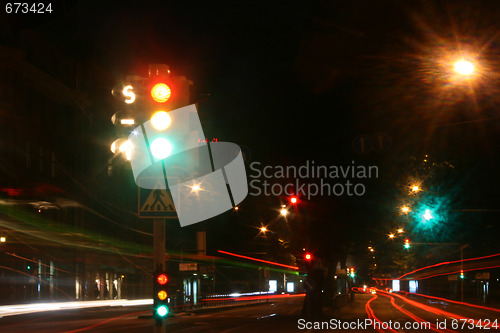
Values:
[(400, 230), (405, 209), (283, 211), (263, 229), (463, 67), (391, 236)]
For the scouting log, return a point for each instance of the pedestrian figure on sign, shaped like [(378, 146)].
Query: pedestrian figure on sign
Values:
[(157, 194)]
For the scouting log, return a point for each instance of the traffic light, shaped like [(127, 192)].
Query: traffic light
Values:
[(294, 199), (352, 273), (160, 300), (407, 243), (308, 257), (462, 276), (165, 93)]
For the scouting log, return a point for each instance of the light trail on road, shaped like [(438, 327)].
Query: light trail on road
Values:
[(411, 315), (12, 310), (371, 315)]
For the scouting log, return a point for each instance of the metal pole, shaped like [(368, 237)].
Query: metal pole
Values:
[(159, 258)]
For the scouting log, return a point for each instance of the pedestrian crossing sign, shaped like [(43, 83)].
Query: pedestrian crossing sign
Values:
[(156, 203)]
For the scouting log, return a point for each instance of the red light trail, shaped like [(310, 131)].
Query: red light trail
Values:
[(260, 260), (371, 315), (447, 263)]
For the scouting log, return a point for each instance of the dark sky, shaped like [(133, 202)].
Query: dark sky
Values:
[(299, 80)]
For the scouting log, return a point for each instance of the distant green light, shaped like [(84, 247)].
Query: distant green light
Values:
[(428, 215)]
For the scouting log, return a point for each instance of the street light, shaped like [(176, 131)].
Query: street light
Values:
[(283, 211), (405, 209), (463, 67)]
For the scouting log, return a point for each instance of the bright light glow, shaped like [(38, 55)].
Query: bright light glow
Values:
[(273, 285), (161, 92), (283, 212), (428, 215), (415, 188), (127, 121), (129, 94), (195, 188), (161, 120), (372, 250), (17, 309), (413, 286), (464, 67), (2, 239), (236, 208), (162, 311), (263, 229), (162, 295), (161, 148), (126, 148), (400, 230), (162, 279), (391, 235), (308, 256), (395, 285), (113, 147), (293, 200), (290, 288), (405, 209)]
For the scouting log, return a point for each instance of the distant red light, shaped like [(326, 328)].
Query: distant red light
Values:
[(293, 200), (12, 192), (308, 256)]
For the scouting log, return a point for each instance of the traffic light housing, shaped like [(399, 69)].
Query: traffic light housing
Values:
[(160, 296), (407, 243), (462, 276)]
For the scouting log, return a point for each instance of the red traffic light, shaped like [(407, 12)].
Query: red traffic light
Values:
[(162, 279), (308, 256)]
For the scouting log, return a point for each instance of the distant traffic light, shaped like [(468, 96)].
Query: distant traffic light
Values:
[(407, 243), (294, 199), (352, 273), (160, 301), (308, 256), (462, 276)]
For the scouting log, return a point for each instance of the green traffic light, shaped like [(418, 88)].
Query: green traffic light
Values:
[(162, 310)]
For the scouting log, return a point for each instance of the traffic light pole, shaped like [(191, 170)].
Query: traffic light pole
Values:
[(159, 259)]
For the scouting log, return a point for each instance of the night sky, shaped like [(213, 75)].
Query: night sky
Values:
[(300, 80)]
